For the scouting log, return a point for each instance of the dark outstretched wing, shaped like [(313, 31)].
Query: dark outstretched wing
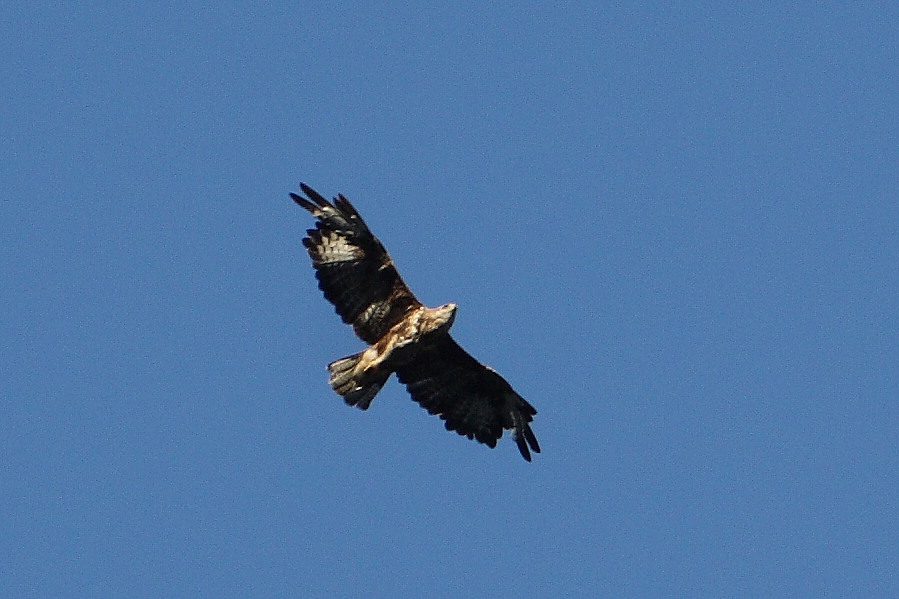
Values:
[(352, 267), (472, 398)]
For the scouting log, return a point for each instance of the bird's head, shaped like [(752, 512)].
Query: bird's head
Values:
[(443, 316)]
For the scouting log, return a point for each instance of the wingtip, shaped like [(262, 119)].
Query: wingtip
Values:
[(345, 206), (526, 442), (523, 448), (531, 439), (314, 195), (303, 203)]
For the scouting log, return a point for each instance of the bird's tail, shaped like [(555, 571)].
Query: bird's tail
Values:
[(357, 385)]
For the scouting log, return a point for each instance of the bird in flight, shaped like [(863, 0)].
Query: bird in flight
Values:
[(404, 336)]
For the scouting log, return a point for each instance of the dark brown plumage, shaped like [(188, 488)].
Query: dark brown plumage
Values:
[(358, 276)]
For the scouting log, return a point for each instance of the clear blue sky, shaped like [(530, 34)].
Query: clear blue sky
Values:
[(673, 227)]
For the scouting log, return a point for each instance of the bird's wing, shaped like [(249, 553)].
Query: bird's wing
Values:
[(473, 399), (353, 269)]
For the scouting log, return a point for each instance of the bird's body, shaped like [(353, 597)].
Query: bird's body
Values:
[(358, 276), (358, 378)]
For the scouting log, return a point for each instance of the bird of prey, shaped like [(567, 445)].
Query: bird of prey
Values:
[(403, 335)]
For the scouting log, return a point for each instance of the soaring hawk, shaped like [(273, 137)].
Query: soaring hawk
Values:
[(403, 335)]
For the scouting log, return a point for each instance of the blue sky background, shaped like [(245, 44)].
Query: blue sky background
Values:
[(673, 227)]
